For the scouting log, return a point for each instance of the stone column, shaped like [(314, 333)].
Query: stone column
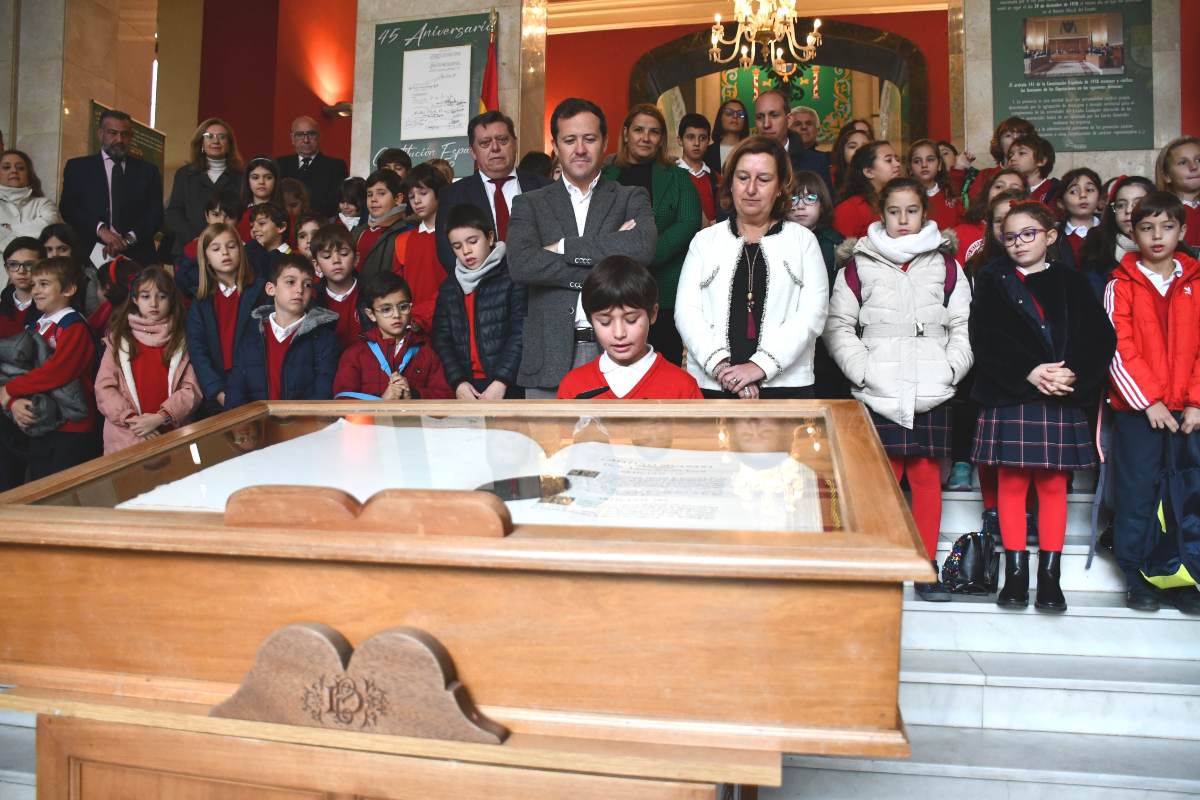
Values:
[(977, 107), (520, 49)]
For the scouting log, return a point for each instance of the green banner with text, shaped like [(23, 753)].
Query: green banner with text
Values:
[(148, 144)]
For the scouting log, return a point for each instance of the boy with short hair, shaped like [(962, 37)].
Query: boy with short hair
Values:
[(375, 237), (17, 310), (1033, 157), (293, 354), (307, 223), (268, 230), (338, 291), (393, 360), (395, 160), (695, 134), (55, 282), (1153, 301), (416, 248), (620, 299)]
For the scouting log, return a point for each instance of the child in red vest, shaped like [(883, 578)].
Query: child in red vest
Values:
[(1079, 204), (416, 248), (391, 361), (55, 282), (1153, 301), (335, 259), (146, 384), (620, 299), (695, 134), (871, 167), (1033, 157)]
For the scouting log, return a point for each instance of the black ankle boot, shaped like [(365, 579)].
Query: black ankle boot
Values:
[(1049, 594), (933, 592), (1015, 592)]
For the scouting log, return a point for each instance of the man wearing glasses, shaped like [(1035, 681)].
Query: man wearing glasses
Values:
[(320, 174), (113, 198)]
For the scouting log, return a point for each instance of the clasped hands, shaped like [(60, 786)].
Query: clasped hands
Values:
[(741, 380), (114, 243), (1054, 379), (1161, 418), (397, 388)]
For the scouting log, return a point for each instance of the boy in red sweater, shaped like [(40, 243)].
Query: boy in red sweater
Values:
[(620, 298), (55, 281), (1033, 157), (416, 248), (694, 138), (1153, 301), (391, 361), (333, 253)]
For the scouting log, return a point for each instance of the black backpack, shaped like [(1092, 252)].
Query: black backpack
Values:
[(973, 566)]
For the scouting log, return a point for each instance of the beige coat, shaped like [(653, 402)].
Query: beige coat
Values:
[(903, 349)]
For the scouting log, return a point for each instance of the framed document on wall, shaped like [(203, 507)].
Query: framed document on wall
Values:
[(428, 75)]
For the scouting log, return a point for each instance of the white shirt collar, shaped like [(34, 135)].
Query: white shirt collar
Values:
[(22, 305), (576, 194), (622, 379), (227, 291), (283, 333), (1191, 203), (1031, 270), (45, 321), (696, 173), (1163, 285), (512, 175), (284, 248), (343, 295), (933, 190), (423, 228), (1037, 185), (1070, 227)]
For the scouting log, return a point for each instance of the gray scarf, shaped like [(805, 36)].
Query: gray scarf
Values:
[(388, 218), (1124, 245), (469, 279)]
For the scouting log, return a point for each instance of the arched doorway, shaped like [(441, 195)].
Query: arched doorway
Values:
[(888, 56)]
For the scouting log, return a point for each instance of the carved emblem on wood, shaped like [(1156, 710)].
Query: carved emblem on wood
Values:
[(401, 681)]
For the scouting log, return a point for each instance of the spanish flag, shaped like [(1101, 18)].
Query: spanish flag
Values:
[(489, 89)]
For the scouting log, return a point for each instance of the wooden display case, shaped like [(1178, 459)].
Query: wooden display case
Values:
[(634, 639)]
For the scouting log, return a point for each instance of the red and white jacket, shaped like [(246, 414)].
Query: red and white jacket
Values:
[(1149, 366)]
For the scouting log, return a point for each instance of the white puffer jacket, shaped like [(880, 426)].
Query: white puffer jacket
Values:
[(903, 349), (22, 214), (793, 310)]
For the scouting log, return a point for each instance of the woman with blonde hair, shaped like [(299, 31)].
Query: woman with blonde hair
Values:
[(214, 168), (642, 161)]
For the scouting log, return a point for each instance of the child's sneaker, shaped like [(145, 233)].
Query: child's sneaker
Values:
[(960, 477)]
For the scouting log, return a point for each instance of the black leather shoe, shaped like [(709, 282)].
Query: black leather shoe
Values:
[(1049, 593), (991, 524), (1185, 598), (932, 592), (1141, 596), (1015, 592)]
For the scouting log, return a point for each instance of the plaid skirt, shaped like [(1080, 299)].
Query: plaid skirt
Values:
[(1034, 436), (928, 438)]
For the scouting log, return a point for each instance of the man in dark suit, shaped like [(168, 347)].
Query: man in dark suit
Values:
[(558, 233), (111, 197), (321, 175), (493, 142), (771, 118)]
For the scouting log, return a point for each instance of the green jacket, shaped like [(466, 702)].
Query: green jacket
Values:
[(677, 216), (829, 239)]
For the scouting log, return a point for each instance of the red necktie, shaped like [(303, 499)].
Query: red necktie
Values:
[(501, 208)]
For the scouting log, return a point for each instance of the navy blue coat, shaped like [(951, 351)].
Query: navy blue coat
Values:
[(84, 203), (308, 366), (500, 307), (204, 341)]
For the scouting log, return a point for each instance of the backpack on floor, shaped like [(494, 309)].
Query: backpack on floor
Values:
[(1174, 558), (973, 566)]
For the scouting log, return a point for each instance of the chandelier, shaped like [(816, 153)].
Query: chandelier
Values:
[(769, 27)]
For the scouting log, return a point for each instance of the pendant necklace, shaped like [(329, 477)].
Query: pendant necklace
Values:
[(751, 327)]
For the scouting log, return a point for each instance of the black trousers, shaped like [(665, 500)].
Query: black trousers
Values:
[(664, 337), (14, 454), (60, 450), (1135, 463)]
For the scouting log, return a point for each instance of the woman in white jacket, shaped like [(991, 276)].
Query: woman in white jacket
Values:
[(897, 328), (753, 291), (23, 209)]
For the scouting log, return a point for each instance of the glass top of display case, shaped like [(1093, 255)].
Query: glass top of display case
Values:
[(765, 468)]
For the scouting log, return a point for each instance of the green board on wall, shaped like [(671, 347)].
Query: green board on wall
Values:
[(148, 144), (392, 41), (826, 90), (1079, 70)]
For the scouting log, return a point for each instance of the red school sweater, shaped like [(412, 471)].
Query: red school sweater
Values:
[(1192, 220), (225, 309), (663, 381), (416, 253), (945, 210), (349, 326), (72, 359), (853, 216), (276, 352), (150, 378)]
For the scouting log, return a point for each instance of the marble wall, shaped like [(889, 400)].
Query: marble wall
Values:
[(977, 116), (180, 28), (39, 87), (521, 64)]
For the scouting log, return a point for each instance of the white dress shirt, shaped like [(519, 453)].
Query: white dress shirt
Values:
[(580, 203), (227, 290), (621, 379), (1162, 284), (695, 173), (282, 332), (46, 320), (512, 188), (22, 305), (339, 297), (1070, 228)]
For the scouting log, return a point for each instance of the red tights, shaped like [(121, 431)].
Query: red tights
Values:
[(925, 483), (1013, 489)]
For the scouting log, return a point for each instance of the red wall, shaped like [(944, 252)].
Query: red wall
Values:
[(571, 63), (261, 69), (1189, 65), (237, 69)]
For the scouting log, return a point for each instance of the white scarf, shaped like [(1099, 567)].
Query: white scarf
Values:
[(350, 222), (1124, 245), (469, 279), (903, 249), (14, 194)]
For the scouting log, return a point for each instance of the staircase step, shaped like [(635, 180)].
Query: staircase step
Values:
[(18, 773), (1057, 694), (1095, 624), (1001, 765), (1103, 576), (961, 512)]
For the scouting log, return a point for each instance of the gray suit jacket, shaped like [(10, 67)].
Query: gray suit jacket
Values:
[(541, 218)]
